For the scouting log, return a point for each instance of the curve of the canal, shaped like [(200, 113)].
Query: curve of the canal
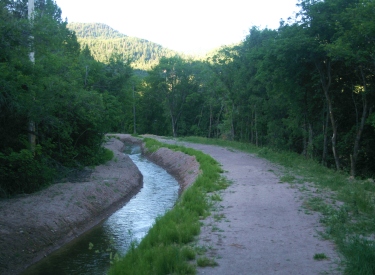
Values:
[(93, 252)]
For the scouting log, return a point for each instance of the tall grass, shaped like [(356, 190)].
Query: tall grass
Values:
[(348, 214), (167, 249)]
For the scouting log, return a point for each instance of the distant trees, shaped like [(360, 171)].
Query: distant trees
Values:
[(173, 84), (104, 41)]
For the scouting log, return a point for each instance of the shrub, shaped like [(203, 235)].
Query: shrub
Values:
[(24, 172)]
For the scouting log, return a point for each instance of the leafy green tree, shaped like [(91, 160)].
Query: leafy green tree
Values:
[(174, 80), (354, 47)]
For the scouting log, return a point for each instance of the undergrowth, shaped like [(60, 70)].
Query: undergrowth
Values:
[(167, 248), (347, 206)]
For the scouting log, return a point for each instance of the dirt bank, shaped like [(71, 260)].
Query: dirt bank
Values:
[(183, 167), (33, 226)]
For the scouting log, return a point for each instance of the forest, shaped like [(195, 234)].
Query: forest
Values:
[(103, 41), (306, 87)]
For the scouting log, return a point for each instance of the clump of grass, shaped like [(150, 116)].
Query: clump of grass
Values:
[(288, 178), (216, 197), (204, 262), (320, 256), (165, 250), (103, 156)]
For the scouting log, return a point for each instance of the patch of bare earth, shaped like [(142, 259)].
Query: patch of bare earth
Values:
[(260, 226), (34, 225)]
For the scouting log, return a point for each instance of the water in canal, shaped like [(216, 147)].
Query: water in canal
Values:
[(91, 253)]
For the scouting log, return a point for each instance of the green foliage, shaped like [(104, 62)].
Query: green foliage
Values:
[(320, 256), (24, 172), (70, 98)]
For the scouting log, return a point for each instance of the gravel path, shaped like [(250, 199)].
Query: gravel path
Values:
[(260, 226)]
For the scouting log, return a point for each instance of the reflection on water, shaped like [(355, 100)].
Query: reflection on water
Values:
[(91, 253)]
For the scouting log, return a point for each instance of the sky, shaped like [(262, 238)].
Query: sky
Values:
[(189, 26)]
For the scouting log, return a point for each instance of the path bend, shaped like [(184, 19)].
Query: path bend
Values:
[(263, 227)]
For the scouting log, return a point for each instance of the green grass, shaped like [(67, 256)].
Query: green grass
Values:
[(347, 206), (104, 156), (320, 256), (288, 178), (168, 246), (204, 262)]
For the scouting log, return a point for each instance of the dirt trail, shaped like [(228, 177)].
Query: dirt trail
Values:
[(260, 225)]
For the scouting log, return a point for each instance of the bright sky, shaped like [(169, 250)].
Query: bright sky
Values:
[(189, 26)]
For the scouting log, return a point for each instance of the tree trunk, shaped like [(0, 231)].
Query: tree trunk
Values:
[(210, 125), (31, 126), (218, 120), (310, 145), (326, 83), (173, 126), (232, 123), (256, 126), (325, 138), (304, 137), (359, 128), (252, 127), (134, 118)]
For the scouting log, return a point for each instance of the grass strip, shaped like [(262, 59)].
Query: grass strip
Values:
[(347, 206), (167, 248)]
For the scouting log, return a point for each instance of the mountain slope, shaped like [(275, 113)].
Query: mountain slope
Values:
[(103, 41)]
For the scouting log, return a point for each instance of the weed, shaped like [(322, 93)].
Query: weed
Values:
[(288, 178), (188, 253), (320, 256), (204, 262), (216, 197), (201, 250), (219, 217)]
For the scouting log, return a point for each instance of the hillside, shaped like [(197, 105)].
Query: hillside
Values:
[(102, 40)]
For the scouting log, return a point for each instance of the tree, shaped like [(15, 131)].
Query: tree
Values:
[(174, 81)]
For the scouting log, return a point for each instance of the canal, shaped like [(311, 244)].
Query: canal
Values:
[(92, 252)]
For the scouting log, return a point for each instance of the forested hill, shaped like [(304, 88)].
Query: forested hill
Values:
[(103, 41), (95, 30)]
